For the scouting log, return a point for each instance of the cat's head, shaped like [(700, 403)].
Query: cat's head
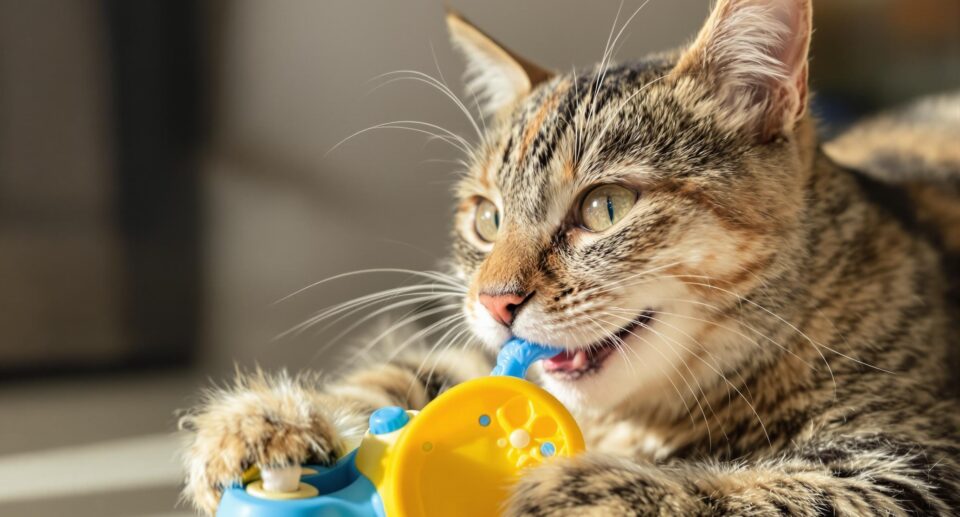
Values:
[(613, 211)]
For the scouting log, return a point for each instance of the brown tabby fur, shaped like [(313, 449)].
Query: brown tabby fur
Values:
[(812, 373)]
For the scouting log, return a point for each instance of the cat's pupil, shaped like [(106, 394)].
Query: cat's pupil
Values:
[(610, 208), (496, 218)]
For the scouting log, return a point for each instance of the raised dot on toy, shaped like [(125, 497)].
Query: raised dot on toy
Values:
[(519, 438), (547, 449)]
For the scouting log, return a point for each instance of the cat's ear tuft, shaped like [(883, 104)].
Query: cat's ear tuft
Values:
[(755, 53), (495, 75)]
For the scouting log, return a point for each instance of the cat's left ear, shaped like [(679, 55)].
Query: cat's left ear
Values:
[(495, 75), (755, 54)]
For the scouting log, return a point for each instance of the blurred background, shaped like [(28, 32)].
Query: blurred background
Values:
[(165, 178)]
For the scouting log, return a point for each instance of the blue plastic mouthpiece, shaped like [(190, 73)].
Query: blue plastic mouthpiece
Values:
[(517, 355)]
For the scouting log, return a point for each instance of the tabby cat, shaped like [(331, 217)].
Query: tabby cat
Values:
[(752, 326)]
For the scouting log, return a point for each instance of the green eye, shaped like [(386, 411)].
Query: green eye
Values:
[(605, 205), (487, 220)]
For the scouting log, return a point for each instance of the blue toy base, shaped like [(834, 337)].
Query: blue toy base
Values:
[(344, 493)]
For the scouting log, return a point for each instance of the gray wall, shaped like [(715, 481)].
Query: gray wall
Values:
[(59, 250)]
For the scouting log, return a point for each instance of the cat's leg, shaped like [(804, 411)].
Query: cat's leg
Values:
[(843, 476), (281, 420)]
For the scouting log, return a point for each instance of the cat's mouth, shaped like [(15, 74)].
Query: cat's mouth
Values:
[(574, 364)]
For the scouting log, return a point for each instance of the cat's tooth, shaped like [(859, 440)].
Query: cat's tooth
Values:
[(579, 360)]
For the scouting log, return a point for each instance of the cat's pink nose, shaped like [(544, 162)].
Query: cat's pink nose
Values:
[(503, 306)]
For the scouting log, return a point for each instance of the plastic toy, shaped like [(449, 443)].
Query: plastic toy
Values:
[(458, 456)]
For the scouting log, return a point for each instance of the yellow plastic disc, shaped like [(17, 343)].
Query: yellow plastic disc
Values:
[(460, 455)]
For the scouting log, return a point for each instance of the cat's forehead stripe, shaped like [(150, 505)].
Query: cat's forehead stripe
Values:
[(533, 127), (536, 130)]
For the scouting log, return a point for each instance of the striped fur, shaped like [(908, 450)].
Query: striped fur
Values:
[(798, 356)]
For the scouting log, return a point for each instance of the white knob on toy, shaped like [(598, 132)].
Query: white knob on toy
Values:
[(519, 438), (283, 479)]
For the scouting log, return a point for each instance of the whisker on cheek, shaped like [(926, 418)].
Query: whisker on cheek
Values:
[(683, 400), (699, 394)]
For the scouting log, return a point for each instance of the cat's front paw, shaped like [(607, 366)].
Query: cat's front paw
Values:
[(261, 420), (592, 484)]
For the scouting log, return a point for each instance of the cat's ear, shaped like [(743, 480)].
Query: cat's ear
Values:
[(495, 75), (755, 53)]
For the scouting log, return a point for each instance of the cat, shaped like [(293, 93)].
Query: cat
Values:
[(755, 323)]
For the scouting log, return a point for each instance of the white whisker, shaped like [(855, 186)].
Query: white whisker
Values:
[(416, 126), (359, 303), (408, 320), (693, 393), (724, 378), (450, 280), (438, 84)]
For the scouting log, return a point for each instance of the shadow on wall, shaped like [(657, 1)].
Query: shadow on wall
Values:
[(99, 263)]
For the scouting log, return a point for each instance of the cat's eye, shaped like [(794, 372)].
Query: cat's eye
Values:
[(603, 206), (487, 220)]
